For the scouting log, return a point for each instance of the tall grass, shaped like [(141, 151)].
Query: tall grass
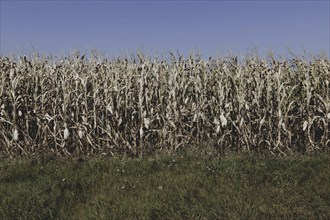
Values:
[(78, 106)]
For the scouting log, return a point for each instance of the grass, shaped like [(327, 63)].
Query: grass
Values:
[(180, 186)]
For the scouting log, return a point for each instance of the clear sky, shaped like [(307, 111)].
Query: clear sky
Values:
[(120, 27)]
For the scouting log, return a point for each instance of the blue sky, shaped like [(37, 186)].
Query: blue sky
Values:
[(118, 28)]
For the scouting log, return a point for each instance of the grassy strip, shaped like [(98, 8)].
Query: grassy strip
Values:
[(160, 187)]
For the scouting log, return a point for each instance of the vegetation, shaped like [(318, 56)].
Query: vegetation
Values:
[(180, 186), (138, 105), (211, 136)]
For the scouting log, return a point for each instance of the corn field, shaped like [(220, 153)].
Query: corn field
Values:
[(78, 106)]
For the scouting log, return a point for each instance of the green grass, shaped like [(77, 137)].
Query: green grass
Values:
[(182, 186)]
